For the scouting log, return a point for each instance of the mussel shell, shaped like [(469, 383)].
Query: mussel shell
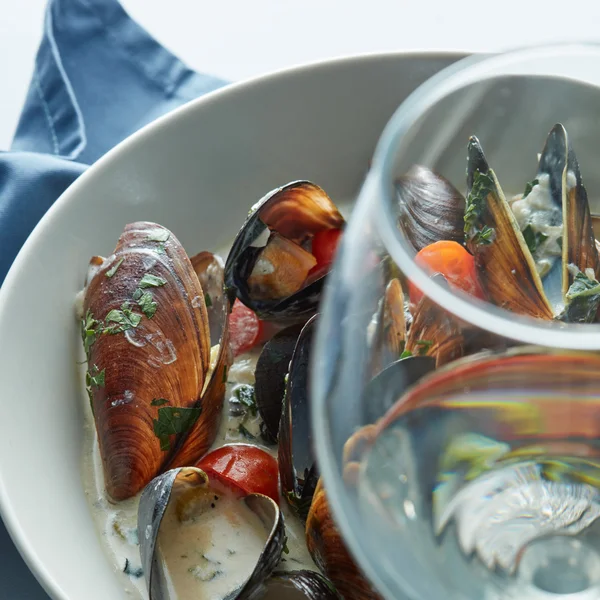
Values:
[(435, 332), (505, 266), (202, 434), (271, 369), (297, 469), (330, 554), (297, 211), (296, 585), (164, 358), (431, 208), (153, 505)]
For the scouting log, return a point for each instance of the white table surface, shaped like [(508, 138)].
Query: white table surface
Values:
[(237, 39)]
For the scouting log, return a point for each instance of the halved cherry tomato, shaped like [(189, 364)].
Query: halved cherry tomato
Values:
[(244, 328), (324, 245), (243, 467), (451, 260)]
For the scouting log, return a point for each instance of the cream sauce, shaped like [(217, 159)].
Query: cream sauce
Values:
[(539, 211), (117, 522)]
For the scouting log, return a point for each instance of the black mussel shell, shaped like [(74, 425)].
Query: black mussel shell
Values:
[(296, 585), (297, 469), (431, 208), (296, 211), (271, 370), (154, 502)]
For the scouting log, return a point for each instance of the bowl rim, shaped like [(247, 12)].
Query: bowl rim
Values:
[(12, 523)]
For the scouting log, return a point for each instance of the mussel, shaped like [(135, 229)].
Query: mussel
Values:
[(329, 552), (185, 525), (536, 256), (270, 266), (431, 208), (152, 378), (297, 585)]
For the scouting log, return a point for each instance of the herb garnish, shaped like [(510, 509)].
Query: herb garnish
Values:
[(483, 185), (530, 185), (173, 420), (95, 377), (159, 402), (159, 235), (583, 297), (583, 286), (149, 280), (129, 570), (423, 346), (121, 320), (114, 268), (207, 300), (224, 374), (90, 328), (245, 394), (533, 239), (146, 302), (406, 354), (245, 433)]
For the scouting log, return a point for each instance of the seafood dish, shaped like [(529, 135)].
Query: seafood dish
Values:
[(199, 466)]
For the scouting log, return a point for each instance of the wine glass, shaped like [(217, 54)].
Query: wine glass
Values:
[(456, 373)]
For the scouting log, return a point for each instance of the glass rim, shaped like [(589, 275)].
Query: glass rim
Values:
[(480, 314)]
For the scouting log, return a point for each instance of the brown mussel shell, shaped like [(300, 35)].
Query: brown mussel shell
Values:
[(201, 435), (296, 585), (431, 208), (296, 212), (506, 269), (330, 554), (172, 486), (272, 368), (148, 348), (297, 467)]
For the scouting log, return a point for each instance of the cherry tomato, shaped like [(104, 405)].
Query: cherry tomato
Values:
[(324, 244), (244, 468), (451, 260), (244, 328)]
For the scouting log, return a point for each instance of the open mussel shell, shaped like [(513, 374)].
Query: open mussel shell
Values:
[(270, 378), (431, 208), (147, 342), (297, 585), (297, 468), (330, 554), (182, 495), (268, 265), (202, 433), (505, 266)]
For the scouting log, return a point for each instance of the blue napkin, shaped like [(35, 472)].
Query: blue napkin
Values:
[(98, 77)]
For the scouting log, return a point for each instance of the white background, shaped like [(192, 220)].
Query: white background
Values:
[(236, 39)]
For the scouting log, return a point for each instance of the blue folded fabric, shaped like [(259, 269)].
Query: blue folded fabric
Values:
[(98, 77)]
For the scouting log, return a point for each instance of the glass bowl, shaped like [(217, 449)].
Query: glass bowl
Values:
[(455, 392)]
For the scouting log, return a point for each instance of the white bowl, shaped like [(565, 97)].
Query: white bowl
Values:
[(197, 171)]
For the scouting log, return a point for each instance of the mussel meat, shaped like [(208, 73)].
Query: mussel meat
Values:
[(148, 349), (271, 267)]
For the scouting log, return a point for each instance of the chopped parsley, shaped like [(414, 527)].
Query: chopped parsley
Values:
[(146, 302), (129, 570), (245, 394), (583, 297), (483, 185), (121, 320), (207, 300), (530, 185), (90, 328), (534, 239), (423, 346), (173, 420), (149, 280), (114, 268), (225, 374), (96, 377), (159, 235), (405, 354), (159, 402), (583, 286)]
